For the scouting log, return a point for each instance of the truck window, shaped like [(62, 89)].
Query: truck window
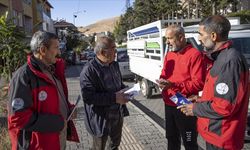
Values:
[(192, 41), (122, 56), (242, 44)]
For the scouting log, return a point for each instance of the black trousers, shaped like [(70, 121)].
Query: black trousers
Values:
[(212, 147), (180, 126), (113, 139)]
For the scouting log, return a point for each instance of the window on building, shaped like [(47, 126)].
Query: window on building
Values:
[(27, 2), (15, 19), (20, 19)]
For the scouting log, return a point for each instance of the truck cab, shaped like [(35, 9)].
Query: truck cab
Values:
[(123, 60)]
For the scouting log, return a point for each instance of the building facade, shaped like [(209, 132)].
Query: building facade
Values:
[(29, 15)]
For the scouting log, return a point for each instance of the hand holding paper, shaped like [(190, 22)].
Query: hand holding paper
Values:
[(133, 91), (163, 84)]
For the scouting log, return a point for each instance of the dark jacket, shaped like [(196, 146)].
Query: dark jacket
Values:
[(34, 119), (222, 110), (99, 83)]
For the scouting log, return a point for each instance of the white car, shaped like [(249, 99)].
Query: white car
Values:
[(123, 60)]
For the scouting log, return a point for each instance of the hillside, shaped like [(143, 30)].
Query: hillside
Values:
[(100, 26)]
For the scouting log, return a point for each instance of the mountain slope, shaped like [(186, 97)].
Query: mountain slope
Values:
[(100, 26)]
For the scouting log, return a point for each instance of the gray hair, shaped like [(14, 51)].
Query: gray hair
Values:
[(41, 38), (218, 24), (103, 43), (177, 29)]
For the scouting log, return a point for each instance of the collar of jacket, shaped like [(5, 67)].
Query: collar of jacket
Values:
[(42, 66), (102, 64), (33, 65), (184, 49), (215, 54)]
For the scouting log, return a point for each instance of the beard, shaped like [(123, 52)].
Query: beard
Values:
[(172, 48), (209, 46)]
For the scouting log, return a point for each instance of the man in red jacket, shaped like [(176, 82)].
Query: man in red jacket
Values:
[(222, 109), (184, 72), (38, 99)]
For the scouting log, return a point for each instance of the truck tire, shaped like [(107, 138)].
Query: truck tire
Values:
[(145, 88)]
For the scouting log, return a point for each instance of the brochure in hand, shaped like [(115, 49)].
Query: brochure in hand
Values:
[(179, 99), (133, 91)]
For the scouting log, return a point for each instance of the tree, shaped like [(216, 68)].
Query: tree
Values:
[(144, 12), (125, 23), (12, 47), (72, 38), (244, 16)]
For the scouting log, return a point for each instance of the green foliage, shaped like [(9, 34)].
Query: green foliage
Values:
[(122, 46), (125, 23), (4, 139), (211, 7), (3, 99), (244, 16), (82, 46), (72, 40), (146, 11), (12, 47), (143, 12)]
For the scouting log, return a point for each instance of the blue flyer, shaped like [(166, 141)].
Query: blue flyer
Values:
[(179, 99)]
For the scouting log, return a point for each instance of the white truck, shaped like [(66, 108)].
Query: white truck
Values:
[(146, 50)]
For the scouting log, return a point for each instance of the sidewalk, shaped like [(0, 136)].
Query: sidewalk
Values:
[(139, 131)]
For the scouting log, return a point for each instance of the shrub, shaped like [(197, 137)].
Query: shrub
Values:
[(4, 139), (12, 47), (244, 16)]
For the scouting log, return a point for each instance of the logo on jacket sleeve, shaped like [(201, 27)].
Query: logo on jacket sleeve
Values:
[(222, 88), (42, 96), (17, 104)]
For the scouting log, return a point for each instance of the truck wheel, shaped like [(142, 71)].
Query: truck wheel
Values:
[(145, 88)]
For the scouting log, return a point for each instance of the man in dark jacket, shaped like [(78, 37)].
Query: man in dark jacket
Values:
[(222, 109), (103, 96), (38, 99)]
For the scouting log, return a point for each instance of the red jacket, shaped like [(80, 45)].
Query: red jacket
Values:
[(186, 69), (34, 119), (222, 110)]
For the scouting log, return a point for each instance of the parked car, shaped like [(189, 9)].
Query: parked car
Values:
[(90, 55), (123, 60), (62, 47), (70, 58), (83, 55)]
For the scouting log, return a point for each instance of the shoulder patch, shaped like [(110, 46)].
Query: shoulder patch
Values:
[(17, 104), (42, 96), (222, 88)]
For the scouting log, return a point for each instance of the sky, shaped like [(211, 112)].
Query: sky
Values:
[(87, 11)]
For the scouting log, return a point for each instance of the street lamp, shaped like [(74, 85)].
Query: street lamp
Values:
[(75, 15)]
